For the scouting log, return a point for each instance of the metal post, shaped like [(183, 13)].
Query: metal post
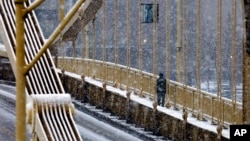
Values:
[(168, 50), (87, 47), (94, 47), (74, 56), (185, 51), (82, 51), (178, 41), (104, 40), (218, 57), (198, 59), (20, 78), (246, 58), (61, 15), (87, 42), (140, 47), (115, 42), (61, 10), (233, 59), (128, 44), (155, 32), (63, 57)]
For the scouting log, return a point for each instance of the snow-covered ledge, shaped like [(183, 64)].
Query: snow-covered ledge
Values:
[(167, 122)]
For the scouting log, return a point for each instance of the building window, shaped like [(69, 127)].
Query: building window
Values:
[(148, 13)]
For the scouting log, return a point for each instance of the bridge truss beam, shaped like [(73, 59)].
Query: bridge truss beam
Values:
[(246, 63)]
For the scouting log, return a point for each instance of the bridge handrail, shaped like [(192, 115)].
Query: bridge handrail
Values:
[(177, 96), (150, 75), (204, 92)]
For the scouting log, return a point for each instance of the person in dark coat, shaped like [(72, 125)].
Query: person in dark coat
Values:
[(161, 90)]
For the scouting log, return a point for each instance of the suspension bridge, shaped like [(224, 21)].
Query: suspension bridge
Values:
[(202, 52)]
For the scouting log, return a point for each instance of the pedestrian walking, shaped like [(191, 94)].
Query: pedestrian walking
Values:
[(161, 90)]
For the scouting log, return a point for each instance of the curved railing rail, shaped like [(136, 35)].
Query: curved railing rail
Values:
[(180, 96)]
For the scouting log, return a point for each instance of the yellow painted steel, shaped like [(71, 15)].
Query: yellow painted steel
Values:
[(233, 59), (140, 83), (21, 69), (83, 33), (178, 41), (195, 99), (155, 46), (20, 73), (87, 42), (182, 93), (128, 42), (61, 16), (55, 34), (63, 48), (191, 95), (87, 47), (115, 79), (104, 40), (33, 5), (74, 55), (168, 50), (94, 46), (246, 59), (185, 50), (198, 58), (219, 59), (61, 10)]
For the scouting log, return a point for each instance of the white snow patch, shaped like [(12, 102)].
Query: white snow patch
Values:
[(51, 98)]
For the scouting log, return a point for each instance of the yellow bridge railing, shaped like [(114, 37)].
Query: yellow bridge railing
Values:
[(180, 96)]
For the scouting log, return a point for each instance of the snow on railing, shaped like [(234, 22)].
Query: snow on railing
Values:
[(177, 95)]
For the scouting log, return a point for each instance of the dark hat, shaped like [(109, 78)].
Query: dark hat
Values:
[(161, 74)]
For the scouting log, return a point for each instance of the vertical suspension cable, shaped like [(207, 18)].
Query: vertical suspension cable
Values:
[(185, 48), (178, 41), (82, 51), (61, 10), (74, 55), (115, 41), (61, 16), (219, 58), (104, 39), (94, 47), (198, 57), (128, 44), (140, 45), (63, 53), (155, 52), (168, 66), (87, 42), (87, 48), (233, 59)]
